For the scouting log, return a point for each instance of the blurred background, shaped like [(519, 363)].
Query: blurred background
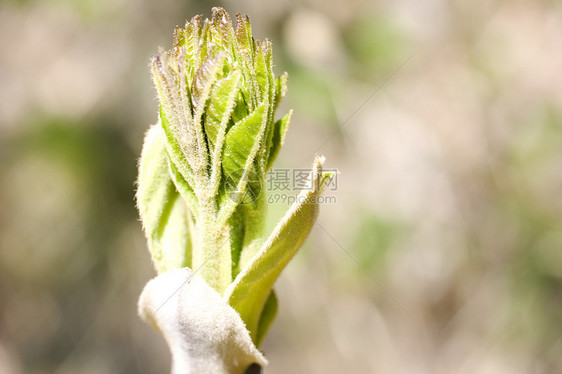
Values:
[(441, 253)]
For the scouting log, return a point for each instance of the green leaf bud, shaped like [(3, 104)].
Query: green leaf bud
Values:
[(200, 189)]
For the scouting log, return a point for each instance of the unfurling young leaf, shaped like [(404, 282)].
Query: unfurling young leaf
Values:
[(252, 286)]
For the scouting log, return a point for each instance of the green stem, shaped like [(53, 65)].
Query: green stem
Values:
[(211, 257)]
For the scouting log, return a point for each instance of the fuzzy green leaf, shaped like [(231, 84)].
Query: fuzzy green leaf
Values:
[(280, 89), (240, 110), (202, 81), (279, 133), (269, 95), (175, 152), (184, 189), (241, 145), (219, 108), (267, 317), (243, 32), (163, 213), (250, 290), (192, 34), (254, 217), (262, 73)]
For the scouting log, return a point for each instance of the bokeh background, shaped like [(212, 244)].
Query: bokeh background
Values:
[(442, 252)]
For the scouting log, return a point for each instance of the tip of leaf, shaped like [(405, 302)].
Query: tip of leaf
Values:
[(320, 177)]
